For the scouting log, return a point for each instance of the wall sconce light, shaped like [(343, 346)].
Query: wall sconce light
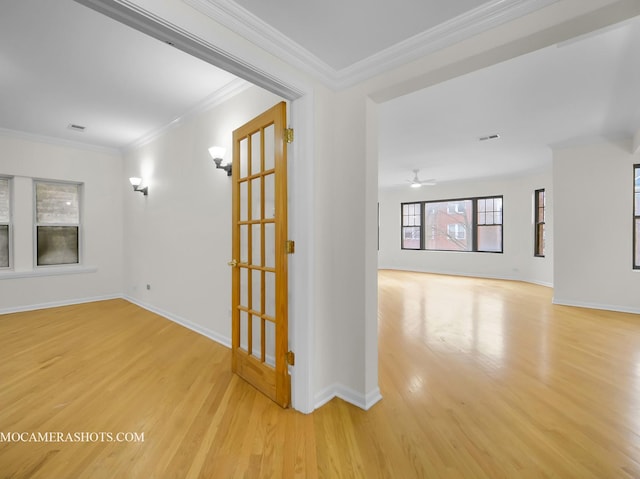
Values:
[(136, 183), (217, 153)]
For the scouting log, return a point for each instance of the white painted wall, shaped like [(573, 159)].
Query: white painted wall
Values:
[(100, 275), (516, 262), (593, 208), (179, 236)]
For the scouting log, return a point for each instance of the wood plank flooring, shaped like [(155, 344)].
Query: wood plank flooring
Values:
[(480, 379)]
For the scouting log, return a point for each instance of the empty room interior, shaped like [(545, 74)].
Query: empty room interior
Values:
[(343, 239)]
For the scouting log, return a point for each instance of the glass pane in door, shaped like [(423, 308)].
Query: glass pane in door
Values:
[(256, 153), (269, 149), (244, 155)]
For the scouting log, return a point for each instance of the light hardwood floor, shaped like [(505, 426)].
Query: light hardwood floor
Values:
[(480, 379)]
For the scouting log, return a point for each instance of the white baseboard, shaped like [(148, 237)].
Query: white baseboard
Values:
[(349, 395), (540, 283), (218, 338), (605, 307), (55, 304), (505, 277)]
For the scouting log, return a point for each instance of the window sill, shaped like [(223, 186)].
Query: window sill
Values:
[(47, 271)]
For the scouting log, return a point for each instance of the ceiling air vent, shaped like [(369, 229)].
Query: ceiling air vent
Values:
[(74, 127), (495, 136)]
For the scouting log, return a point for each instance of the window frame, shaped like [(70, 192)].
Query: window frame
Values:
[(78, 226), (635, 258), (9, 224), (474, 223), (539, 224), (420, 226)]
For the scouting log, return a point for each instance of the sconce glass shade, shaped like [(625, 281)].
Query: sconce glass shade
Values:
[(217, 152), (137, 185)]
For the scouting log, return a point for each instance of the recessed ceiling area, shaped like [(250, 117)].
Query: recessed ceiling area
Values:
[(62, 63), (560, 95), (342, 33)]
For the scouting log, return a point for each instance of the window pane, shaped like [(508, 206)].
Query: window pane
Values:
[(270, 196), (489, 204), (244, 201), (4, 200), (411, 237), (256, 153), (637, 255), (540, 239), (4, 246), (57, 245), (456, 231), (490, 238), (270, 245), (539, 234), (636, 213), (441, 218), (243, 158), (269, 148), (411, 214), (57, 203)]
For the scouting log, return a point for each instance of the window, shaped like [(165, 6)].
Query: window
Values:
[(450, 224), (57, 223), (636, 216), (489, 224), (411, 225), (539, 235), (5, 222), (468, 224)]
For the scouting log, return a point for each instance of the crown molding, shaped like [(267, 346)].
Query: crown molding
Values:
[(473, 22), (247, 25), (145, 21), (23, 135), (221, 95), (443, 35), (231, 89)]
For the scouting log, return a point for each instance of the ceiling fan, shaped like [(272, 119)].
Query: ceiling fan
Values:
[(417, 182)]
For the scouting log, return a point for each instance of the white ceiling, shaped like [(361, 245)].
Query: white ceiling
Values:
[(560, 95), (63, 63), (326, 28)]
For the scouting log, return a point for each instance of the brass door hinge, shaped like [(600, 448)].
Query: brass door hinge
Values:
[(290, 247), (291, 358), (288, 135)]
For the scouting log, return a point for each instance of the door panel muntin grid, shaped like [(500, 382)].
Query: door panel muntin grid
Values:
[(257, 245)]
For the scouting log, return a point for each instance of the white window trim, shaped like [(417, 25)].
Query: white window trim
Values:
[(49, 270)]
